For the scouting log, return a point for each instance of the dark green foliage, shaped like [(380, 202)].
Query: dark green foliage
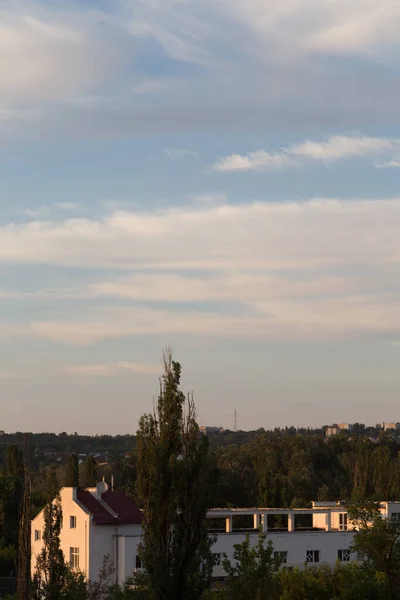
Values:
[(14, 462), (51, 570), (377, 542), (89, 472), (174, 484), (10, 501), (252, 576), (350, 582), (72, 472)]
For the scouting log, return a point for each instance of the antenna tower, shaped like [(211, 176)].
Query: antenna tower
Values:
[(235, 422)]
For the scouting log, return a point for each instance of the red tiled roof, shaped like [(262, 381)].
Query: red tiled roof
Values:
[(128, 512)]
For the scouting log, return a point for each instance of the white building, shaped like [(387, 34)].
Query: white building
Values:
[(96, 523), (326, 539), (389, 425), (210, 429)]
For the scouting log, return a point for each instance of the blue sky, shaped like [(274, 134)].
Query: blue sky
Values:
[(218, 176)]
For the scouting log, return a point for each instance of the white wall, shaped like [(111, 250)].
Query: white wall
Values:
[(76, 538), (120, 543), (296, 544)]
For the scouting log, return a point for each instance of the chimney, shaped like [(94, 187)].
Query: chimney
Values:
[(101, 487)]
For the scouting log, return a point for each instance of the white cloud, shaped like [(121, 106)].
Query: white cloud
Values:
[(274, 236), (240, 285), (267, 31), (62, 62), (297, 319), (390, 164), (322, 269), (47, 53), (340, 146), (333, 149), (301, 27), (255, 161), (109, 370)]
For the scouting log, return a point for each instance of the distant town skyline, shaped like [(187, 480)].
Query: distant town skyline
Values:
[(221, 177)]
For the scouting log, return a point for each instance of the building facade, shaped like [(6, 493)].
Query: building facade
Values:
[(98, 523), (301, 536)]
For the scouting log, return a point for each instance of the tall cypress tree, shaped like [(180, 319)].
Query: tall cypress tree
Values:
[(24, 533), (174, 483), (90, 472), (72, 472), (51, 568), (24, 541), (14, 462)]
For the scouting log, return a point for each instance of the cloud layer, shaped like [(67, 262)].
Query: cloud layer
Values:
[(287, 235), (333, 149), (78, 70), (321, 269)]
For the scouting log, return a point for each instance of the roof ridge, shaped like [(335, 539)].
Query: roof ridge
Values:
[(107, 506)]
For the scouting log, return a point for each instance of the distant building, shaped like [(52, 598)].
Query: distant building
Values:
[(345, 426), (210, 429), (338, 428), (387, 426), (332, 431)]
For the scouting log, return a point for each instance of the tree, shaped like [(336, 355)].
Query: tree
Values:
[(377, 542), (344, 582), (51, 569), (14, 462), (252, 577), (72, 472), (90, 472), (173, 481), (24, 541)]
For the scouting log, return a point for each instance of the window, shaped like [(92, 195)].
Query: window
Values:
[(74, 557), (344, 555), (312, 556), (281, 556), (396, 517), (38, 535), (138, 564), (217, 559), (343, 521), (72, 522)]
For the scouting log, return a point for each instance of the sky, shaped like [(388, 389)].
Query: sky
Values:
[(217, 176)]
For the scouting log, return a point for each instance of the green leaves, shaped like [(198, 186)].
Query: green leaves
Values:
[(173, 481)]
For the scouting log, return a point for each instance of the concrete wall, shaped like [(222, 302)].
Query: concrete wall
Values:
[(119, 543), (295, 544)]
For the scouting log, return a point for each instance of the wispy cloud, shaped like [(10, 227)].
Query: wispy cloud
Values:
[(320, 269), (110, 370), (390, 164), (333, 149), (175, 153), (48, 53), (309, 319), (214, 236), (47, 210), (63, 61), (259, 160)]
